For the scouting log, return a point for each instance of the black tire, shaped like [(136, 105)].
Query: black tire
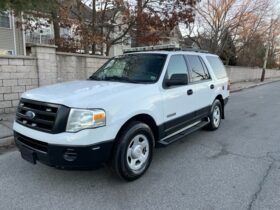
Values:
[(214, 122), (122, 159)]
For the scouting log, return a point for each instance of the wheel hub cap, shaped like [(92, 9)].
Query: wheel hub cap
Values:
[(217, 116), (138, 152)]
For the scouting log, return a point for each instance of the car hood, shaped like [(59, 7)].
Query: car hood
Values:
[(81, 94)]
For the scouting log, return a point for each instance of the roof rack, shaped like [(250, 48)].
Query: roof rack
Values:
[(152, 48), (171, 47)]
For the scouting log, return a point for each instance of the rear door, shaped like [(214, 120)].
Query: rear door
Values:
[(202, 85), (179, 107)]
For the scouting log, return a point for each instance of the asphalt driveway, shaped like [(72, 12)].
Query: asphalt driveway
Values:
[(236, 167)]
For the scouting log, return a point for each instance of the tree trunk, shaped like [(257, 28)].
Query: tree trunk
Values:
[(108, 47), (138, 23), (56, 29), (227, 61), (265, 62), (94, 26), (86, 42), (102, 44)]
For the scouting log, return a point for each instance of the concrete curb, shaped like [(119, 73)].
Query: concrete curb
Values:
[(252, 86), (7, 141)]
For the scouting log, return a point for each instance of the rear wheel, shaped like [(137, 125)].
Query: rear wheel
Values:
[(215, 116), (133, 152)]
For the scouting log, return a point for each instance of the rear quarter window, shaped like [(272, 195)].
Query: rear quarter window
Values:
[(217, 67)]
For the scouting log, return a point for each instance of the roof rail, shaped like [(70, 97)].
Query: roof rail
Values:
[(171, 47)]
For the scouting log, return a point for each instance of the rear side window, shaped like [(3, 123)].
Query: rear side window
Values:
[(198, 69), (176, 65), (217, 66)]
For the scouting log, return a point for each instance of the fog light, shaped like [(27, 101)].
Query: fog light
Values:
[(70, 155)]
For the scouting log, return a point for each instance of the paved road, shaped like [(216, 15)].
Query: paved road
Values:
[(236, 167)]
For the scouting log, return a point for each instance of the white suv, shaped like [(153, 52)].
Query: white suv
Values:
[(133, 103)]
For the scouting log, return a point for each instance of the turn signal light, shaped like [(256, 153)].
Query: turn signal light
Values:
[(99, 116)]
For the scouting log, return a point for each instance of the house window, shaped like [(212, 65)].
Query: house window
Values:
[(5, 20)]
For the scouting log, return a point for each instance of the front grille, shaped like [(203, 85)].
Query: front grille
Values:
[(42, 116), (33, 144)]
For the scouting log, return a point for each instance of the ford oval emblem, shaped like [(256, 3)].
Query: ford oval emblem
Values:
[(30, 115)]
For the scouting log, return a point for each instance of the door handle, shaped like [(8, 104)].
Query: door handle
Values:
[(212, 86), (190, 92)]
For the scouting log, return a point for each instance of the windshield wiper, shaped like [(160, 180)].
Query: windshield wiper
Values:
[(121, 79), (114, 78), (94, 78)]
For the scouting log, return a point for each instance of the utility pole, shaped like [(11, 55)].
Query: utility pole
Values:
[(267, 51)]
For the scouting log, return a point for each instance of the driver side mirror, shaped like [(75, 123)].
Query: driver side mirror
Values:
[(177, 79)]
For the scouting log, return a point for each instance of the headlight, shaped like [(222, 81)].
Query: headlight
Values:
[(80, 119)]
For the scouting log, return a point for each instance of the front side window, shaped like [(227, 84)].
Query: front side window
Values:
[(176, 65), (135, 68), (198, 70), (4, 19)]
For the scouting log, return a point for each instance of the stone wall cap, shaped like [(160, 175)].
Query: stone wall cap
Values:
[(40, 45), (82, 55), (17, 57)]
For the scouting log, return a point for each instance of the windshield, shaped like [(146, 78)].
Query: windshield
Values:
[(135, 68)]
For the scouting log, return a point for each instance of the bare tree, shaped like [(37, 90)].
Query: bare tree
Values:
[(154, 17), (271, 38), (143, 20), (111, 24), (241, 19)]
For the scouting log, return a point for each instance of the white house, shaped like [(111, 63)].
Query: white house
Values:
[(12, 41)]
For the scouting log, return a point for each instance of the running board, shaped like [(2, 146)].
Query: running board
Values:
[(176, 137)]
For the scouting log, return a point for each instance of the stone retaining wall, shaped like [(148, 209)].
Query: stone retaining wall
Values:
[(72, 66), (45, 66), (241, 74), (17, 74)]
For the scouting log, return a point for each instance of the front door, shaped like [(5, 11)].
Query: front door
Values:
[(178, 101)]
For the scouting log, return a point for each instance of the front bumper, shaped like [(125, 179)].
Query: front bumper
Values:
[(63, 156)]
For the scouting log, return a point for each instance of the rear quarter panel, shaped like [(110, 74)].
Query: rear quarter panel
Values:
[(221, 85)]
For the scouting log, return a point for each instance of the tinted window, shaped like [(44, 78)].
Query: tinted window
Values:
[(176, 65), (199, 71), (217, 66), (145, 68)]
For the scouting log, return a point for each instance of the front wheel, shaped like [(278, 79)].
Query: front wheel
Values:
[(215, 116), (133, 152)]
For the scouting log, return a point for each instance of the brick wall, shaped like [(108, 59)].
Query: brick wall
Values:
[(17, 74)]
